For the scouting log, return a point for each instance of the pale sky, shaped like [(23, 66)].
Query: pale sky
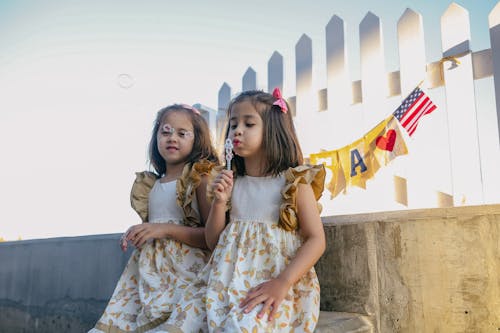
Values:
[(71, 137)]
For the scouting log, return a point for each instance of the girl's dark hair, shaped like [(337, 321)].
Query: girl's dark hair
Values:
[(202, 146), (280, 141)]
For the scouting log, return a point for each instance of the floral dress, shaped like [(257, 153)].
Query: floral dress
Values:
[(258, 243), (157, 273)]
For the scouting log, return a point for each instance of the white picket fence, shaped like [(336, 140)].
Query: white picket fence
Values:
[(454, 157)]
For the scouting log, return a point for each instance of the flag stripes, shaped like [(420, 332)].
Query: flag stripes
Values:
[(416, 105)]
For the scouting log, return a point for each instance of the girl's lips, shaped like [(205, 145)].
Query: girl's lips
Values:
[(236, 142)]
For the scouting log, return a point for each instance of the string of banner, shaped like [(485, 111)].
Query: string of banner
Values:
[(354, 164)]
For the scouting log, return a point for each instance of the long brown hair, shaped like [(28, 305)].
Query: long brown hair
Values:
[(202, 145), (281, 146)]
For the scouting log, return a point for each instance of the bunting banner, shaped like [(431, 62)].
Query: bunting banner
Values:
[(354, 164), (357, 162)]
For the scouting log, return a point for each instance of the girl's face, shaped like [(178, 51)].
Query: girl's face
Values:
[(246, 130), (175, 137)]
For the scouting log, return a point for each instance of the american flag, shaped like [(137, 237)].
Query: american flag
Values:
[(412, 109)]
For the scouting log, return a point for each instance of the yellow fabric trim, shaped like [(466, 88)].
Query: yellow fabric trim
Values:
[(139, 194), (305, 174), (186, 189), (173, 329)]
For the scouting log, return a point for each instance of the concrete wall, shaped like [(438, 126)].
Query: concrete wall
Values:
[(58, 284), (434, 270)]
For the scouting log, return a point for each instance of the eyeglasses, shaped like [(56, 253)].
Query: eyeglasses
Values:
[(168, 131)]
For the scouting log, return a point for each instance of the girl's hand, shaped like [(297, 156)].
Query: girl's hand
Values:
[(271, 293), (222, 186), (141, 233)]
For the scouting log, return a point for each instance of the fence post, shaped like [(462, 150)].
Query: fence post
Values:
[(494, 24), (487, 118), (338, 86), (223, 102), (275, 72), (461, 107), (373, 75), (305, 101), (374, 107), (412, 64), (249, 81)]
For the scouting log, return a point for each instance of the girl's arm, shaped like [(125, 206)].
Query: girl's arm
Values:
[(141, 233), (195, 237), (311, 229), (216, 222), (272, 292)]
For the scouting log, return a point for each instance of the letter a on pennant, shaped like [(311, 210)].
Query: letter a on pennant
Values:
[(357, 161)]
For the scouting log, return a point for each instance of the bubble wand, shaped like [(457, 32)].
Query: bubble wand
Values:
[(229, 153)]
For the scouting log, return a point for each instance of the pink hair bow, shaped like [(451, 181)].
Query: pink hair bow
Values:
[(279, 100)]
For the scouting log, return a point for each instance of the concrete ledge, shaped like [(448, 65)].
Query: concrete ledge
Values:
[(341, 322), (63, 315), (34, 272), (57, 284), (434, 270)]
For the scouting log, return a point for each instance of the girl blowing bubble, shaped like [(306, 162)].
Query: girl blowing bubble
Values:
[(170, 243), (260, 277)]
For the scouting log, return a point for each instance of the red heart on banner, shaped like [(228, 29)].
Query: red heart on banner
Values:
[(387, 142)]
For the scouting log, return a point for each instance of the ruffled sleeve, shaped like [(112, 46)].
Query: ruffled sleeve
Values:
[(139, 195), (186, 189), (305, 174)]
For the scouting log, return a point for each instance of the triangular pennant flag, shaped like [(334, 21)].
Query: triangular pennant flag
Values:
[(330, 159)]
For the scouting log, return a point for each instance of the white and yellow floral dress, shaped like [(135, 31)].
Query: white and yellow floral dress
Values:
[(157, 273), (257, 244)]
